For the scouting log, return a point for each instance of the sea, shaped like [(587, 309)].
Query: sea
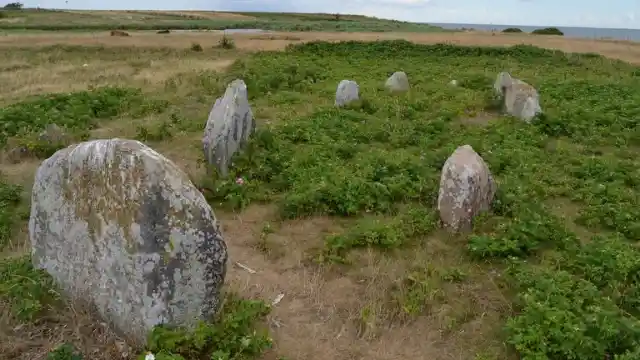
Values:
[(578, 32)]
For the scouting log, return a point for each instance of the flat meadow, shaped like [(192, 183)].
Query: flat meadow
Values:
[(336, 214)]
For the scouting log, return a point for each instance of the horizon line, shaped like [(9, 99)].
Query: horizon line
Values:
[(329, 13), (531, 25)]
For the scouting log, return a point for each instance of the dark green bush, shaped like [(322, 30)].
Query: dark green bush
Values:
[(512, 30), (548, 31)]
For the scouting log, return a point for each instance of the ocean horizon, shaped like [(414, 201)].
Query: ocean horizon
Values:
[(569, 31)]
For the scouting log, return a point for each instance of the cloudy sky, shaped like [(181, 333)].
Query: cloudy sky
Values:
[(589, 13)]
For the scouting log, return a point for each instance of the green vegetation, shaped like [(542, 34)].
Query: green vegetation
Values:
[(409, 225), (31, 293), (561, 235), (64, 351), (55, 20), (231, 335), (235, 333), (548, 31), (75, 113), (512, 30), (29, 297), (74, 110), (385, 153), (9, 199)]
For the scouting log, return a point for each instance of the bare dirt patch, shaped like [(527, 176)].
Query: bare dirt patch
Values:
[(349, 311), (75, 323)]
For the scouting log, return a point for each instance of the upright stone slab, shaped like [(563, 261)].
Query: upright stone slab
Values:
[(466, 189), (118, 225), (229, 127), (53, 134), (348, 91), (505, 80), (502, 80), (398, 82), (520, 98)]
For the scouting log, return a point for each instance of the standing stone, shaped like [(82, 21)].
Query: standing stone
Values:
[(229, 127), (502, 80), (120, 226), (520, 99), (398, 82), (347, 92), (52, 134), (466, 189)]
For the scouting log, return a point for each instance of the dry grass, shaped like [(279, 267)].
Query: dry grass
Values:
[(348, 311), (127, 15), (623, 50), (75, 323), (327, 312), (215, 15)]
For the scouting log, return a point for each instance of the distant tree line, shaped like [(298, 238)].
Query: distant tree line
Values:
[(545, 31), (14, 6)]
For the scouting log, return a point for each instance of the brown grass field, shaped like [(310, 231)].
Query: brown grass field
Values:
[(214, 15), (617, 49), (312, 322)]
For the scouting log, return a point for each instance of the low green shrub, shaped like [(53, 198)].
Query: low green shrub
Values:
[(548, 31), (512, 30)]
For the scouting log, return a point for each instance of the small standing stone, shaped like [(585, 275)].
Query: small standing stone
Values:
[(520, 99), (52, 133), (502, 80), (466, 189), (120, 226), (347, 92), (398, 82), (229, 127)]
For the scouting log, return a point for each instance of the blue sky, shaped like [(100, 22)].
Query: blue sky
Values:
[(589, 13)]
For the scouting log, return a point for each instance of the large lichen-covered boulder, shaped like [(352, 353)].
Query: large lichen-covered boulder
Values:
[(466, 189), (229, 126), (348, 91), (520, 98), (120, 226), (398, 82)]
